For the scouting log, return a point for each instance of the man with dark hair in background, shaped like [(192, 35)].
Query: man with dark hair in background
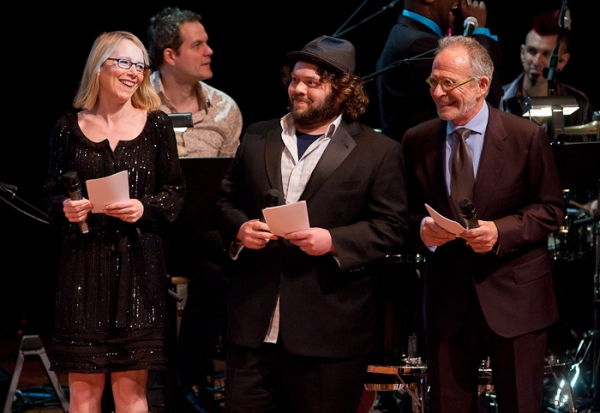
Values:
[(535, 58), (179, 51), (404, 99), (572, 249)]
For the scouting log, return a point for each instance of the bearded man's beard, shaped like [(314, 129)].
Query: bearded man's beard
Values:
[(535, 78), (314, 114)]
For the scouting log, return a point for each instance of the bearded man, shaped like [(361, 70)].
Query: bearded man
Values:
[(302, 325)]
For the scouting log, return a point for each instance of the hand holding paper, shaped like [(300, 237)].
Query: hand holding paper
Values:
[(104, 191), (288, 218), (449, 225)]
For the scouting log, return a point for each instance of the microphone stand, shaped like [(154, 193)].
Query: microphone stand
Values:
[(367, 78), (398, 63), (596, 346), (337, 33), (340, 33), (553, 63), (13, 195), (551, 75), (556, 121)]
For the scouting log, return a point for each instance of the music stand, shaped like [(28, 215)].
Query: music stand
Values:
[(181, 120), (182, 242), (554, 107), (203, 180)]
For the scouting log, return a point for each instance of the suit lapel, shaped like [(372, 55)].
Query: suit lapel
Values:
[(338, 149), (491, 162), (273, 150)]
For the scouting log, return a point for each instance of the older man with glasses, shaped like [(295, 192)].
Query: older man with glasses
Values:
[(488, 289)]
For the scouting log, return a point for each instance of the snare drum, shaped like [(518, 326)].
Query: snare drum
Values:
[(408, 378)]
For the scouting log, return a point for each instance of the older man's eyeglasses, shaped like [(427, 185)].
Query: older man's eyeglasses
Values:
[(446, 84), (126, 64)]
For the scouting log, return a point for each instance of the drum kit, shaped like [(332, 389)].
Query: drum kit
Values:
[(409, 380), (592, 128), (575, 238)]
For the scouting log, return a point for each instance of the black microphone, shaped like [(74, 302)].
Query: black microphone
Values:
[(74, 188), (470, 24), (271, 199), (9, 189), (467, 211)]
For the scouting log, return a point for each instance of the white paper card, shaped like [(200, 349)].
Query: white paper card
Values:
[(447, 224), (104, 191), (288, 218)]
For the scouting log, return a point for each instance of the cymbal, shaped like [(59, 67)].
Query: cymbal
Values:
[(592, 128)]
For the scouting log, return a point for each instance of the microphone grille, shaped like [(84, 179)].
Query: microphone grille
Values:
[(272, 198), (466, 207), (471, 20), (72, 181)]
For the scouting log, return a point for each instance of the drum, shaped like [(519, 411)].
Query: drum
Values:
[(410, 379), (404, 380), (575, 238), (558, 395)]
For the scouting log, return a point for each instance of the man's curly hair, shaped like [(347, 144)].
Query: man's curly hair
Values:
[(348, 88)]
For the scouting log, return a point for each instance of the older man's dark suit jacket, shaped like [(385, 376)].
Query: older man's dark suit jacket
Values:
[(357, 192), (518, 188), (402, 93)]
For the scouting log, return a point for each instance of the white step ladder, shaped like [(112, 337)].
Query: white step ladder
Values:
[(33, 346)]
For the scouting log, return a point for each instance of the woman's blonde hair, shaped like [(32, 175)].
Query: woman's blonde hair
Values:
[(145, 97)]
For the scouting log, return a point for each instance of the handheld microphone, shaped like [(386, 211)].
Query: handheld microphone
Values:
[(470, 24), (271, 199), (74, 188), (467, 211)]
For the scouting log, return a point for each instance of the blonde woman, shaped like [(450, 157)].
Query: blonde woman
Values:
[(112, 292)]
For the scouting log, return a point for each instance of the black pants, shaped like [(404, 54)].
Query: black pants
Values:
[(202, 325), (517, 366), (271, 380), (204, 316)]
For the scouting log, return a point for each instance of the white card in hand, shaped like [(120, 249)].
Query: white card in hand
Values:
[(449, 225), (288, 218), (109, 189)]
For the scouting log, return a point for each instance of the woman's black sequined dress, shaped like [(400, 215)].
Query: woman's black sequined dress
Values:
[(112, 283)]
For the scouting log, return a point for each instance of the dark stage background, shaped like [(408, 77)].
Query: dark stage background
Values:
[(45, 50)]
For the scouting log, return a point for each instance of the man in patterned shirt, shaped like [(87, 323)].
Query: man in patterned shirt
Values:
[(179, 50)]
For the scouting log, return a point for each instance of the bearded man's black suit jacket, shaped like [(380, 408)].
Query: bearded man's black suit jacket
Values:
[(357, 193)]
